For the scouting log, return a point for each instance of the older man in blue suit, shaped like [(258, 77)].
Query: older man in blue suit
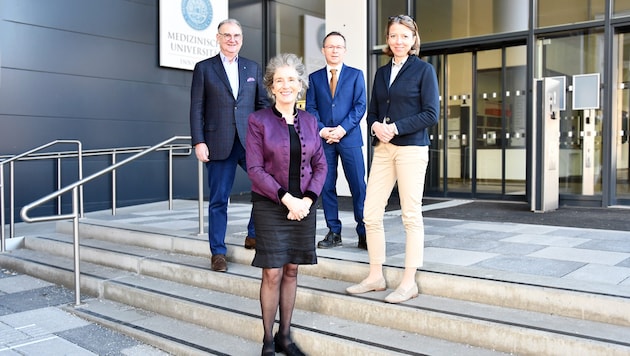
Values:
[(225, 89), (336, 96)]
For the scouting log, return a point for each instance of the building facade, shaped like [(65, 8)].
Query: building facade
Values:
[(89, 70)]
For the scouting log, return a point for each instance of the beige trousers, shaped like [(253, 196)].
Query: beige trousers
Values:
[(406, 165)]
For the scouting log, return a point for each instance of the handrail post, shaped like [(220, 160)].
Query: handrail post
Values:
[(12, 200), (200, 189), (59, 175), (75, 233), (2, 232), (114, 184), (80, 156), (170, 177)]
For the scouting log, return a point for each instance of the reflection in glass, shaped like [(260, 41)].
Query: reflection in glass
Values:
[(516, 120), (449, 19), (287, 30), (621, 119), (489, 136), (434, 180), (560, 12), (456, 161), (621, 8), (580, 130)]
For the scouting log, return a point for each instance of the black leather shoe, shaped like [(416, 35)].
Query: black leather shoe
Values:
[(362, 242), (332, 239), (291, 350), (268, 349)]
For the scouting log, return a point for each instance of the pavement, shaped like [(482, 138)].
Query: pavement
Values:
[(585, 249)]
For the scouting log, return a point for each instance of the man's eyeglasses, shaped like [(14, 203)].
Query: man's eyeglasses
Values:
[(230, 36), (332, 48)]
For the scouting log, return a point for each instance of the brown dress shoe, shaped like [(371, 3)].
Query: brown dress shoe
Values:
[(250, 243), (219, 263)]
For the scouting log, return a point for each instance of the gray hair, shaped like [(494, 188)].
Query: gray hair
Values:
[(232, 21), (285, 60)]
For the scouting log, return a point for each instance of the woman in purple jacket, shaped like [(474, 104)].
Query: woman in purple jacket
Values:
[(287, 167)]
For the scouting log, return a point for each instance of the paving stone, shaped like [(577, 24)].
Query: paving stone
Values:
[(546, 240), (51, 345), (624, 263), (47, 320), (20, 283), (462, 258), (607, 245), (516, 249), (581, 255), (530, 265), (601, 274), (37, 298), (98, 339), (463, 243)]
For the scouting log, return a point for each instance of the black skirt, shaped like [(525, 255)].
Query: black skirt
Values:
[(279, 240)]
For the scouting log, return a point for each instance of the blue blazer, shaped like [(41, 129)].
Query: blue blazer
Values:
[(215, 116), (412, 101), (346, 108), (268, 154)]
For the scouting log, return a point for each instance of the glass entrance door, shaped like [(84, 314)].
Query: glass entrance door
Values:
[(500, 121), (480, 142)]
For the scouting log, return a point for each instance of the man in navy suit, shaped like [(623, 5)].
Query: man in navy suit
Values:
[(225, 89), (336, 96)]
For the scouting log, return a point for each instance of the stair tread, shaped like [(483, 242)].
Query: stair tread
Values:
[(150, 326), (392, 340), (419, 326), (424, 303)]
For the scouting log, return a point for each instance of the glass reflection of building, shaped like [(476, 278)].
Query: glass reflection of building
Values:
[(488, 55)]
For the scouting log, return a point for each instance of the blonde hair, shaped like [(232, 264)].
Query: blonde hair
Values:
[(408, 22)]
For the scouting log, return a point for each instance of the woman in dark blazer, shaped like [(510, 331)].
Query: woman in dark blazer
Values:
[(404, 104), (287, 167)]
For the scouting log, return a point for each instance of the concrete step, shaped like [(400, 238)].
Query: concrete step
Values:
[(148, 306), (320, 294), (169, 334), (597, 305)]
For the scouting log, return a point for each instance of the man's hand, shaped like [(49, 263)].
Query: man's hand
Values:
[(332, 134), (202, 152)]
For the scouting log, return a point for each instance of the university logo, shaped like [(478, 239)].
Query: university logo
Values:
[(197, 13)]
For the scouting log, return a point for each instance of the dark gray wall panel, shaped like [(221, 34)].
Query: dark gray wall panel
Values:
[(73, 97), (85, 55), (88, 70), (129, 20)]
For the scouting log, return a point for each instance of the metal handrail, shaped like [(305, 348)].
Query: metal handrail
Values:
[(24, 156), (74, 187), (92, 152), (33, 155)]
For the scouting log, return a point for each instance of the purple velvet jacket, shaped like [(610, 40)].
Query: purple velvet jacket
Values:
[(267, 150)]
